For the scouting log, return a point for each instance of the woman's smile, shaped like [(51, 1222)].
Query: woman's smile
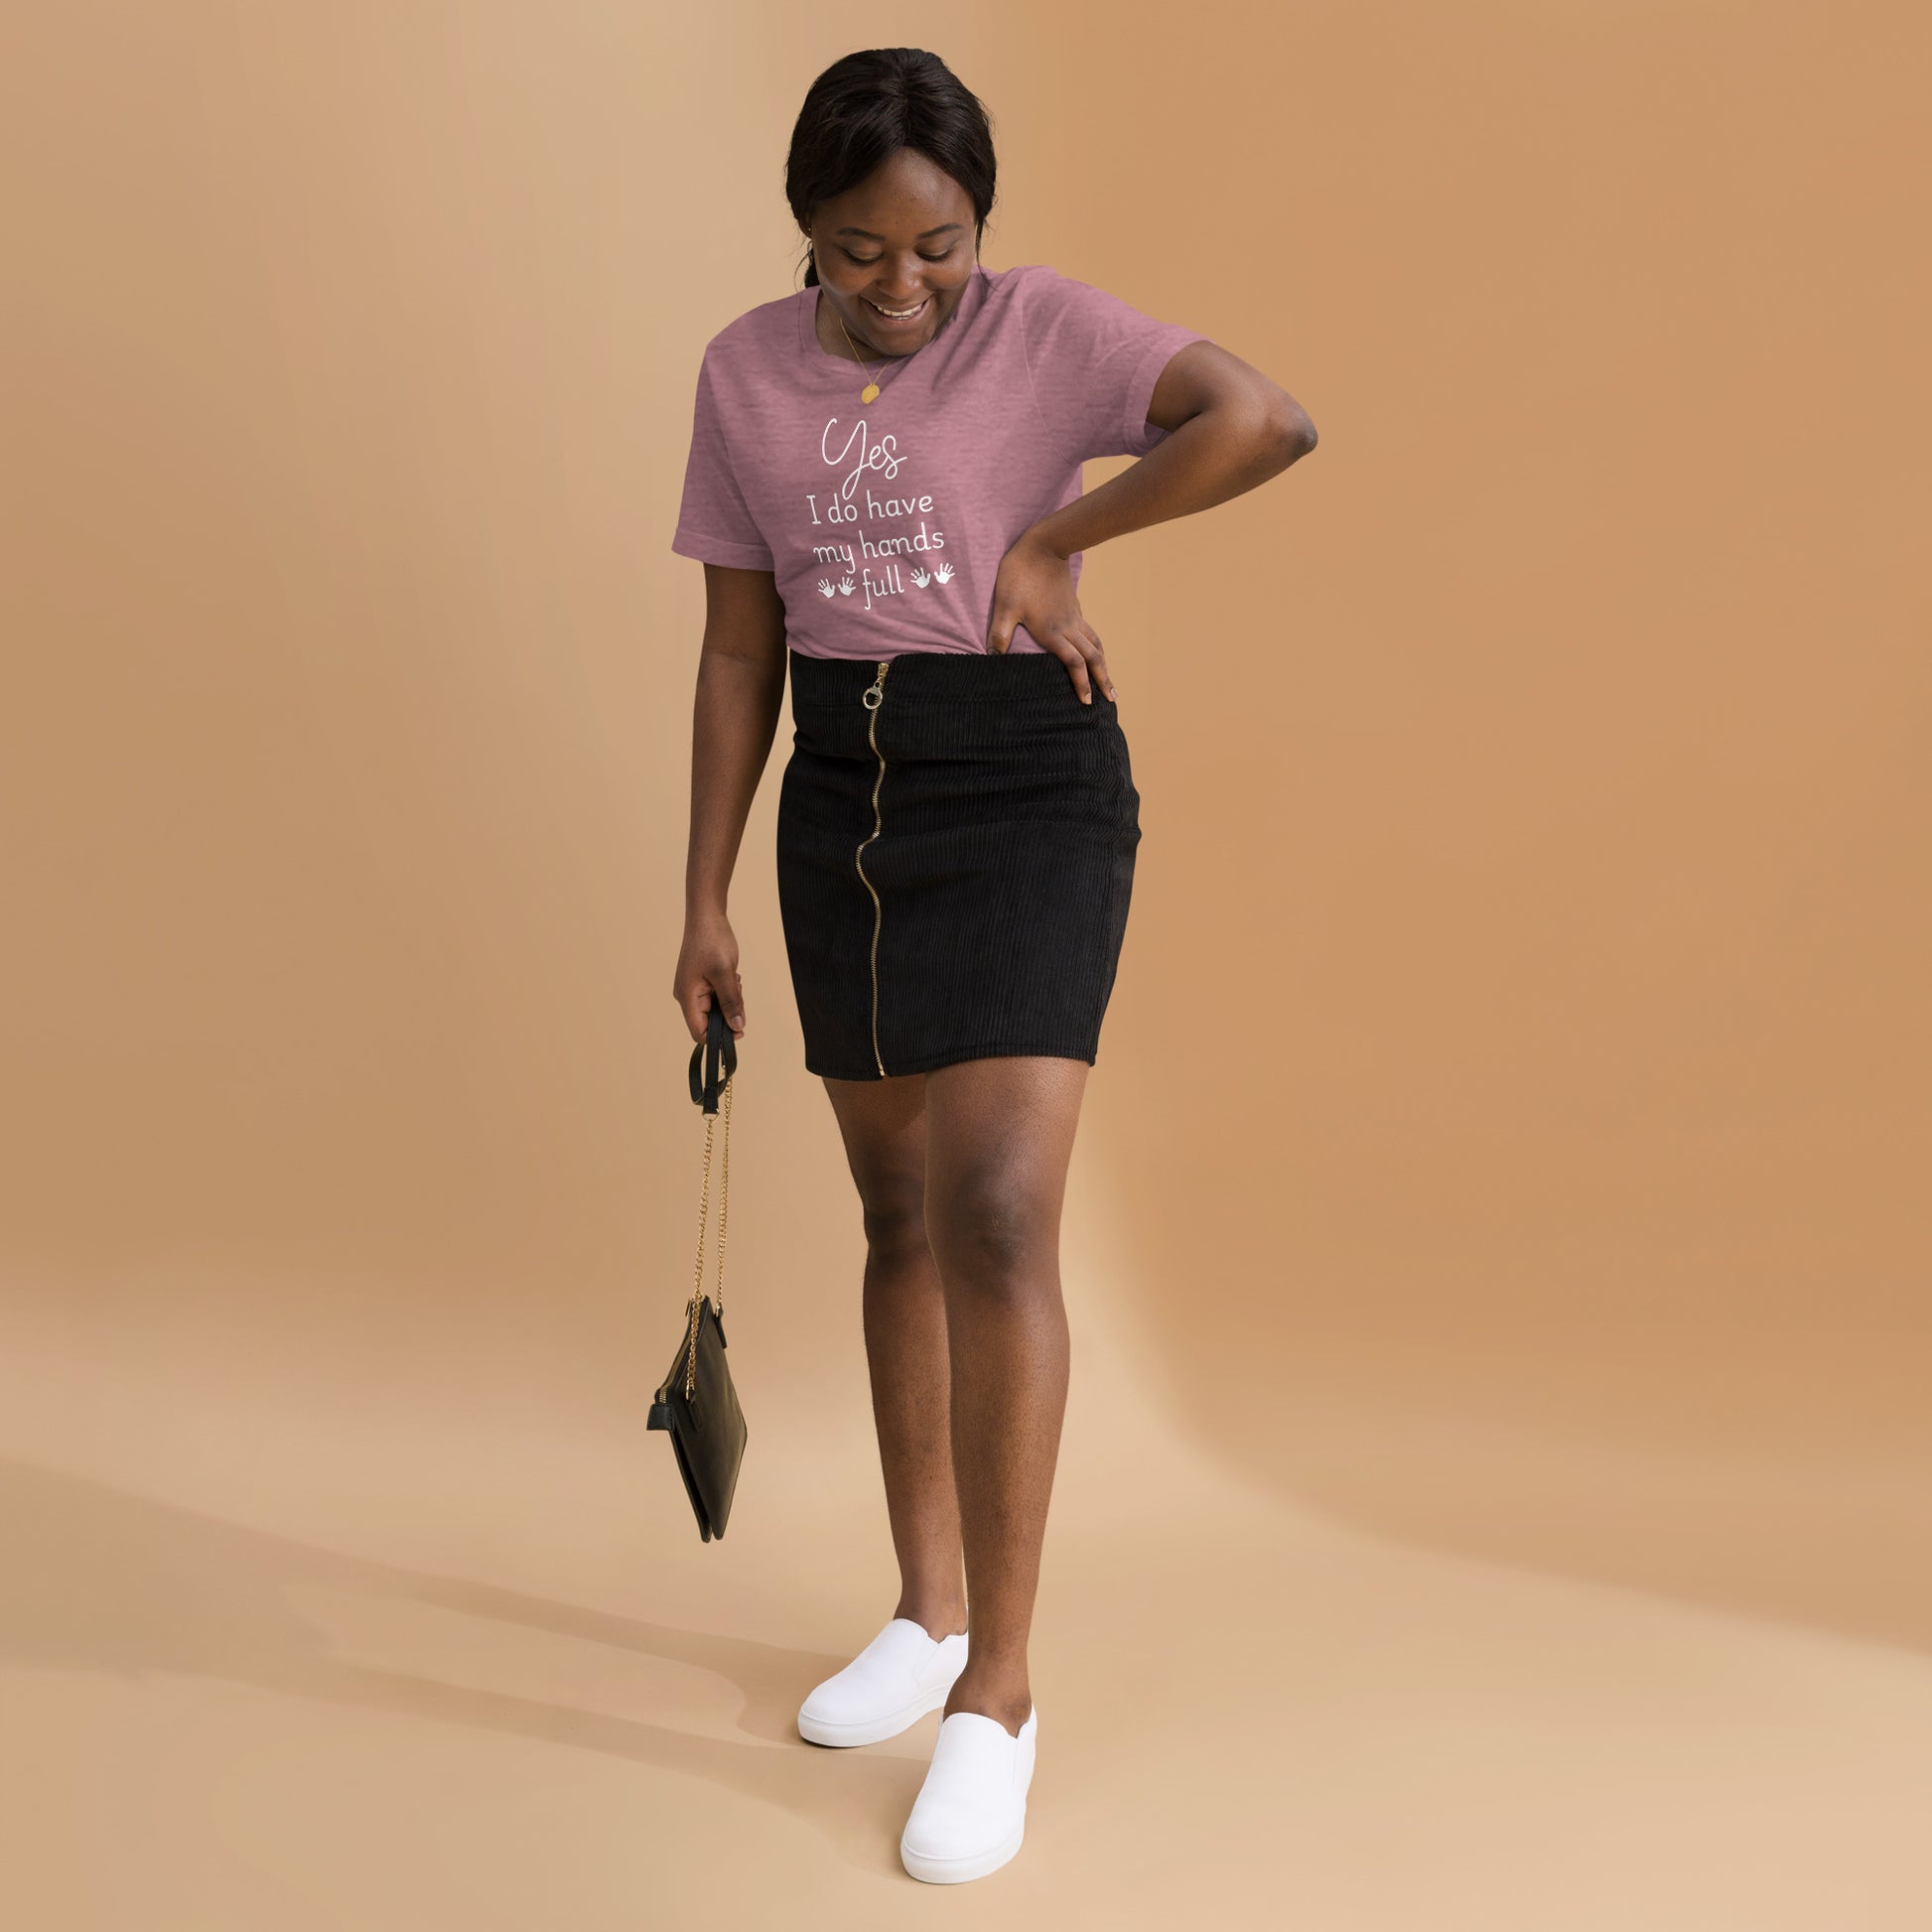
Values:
[(900, 318), (882, 328)]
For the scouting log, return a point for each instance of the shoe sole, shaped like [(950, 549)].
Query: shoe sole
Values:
[(954, 1871), (875, 1731)]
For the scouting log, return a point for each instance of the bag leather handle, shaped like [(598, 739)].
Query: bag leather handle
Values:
[(719, 1044)]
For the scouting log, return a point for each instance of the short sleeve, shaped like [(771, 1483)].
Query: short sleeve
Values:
[(714, 522), (1094, 360)]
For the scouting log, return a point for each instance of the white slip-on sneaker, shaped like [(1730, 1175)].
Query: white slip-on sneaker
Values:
[(971, 1813), (893, 1683)]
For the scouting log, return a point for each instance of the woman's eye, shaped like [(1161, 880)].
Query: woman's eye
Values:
[(869, 261)]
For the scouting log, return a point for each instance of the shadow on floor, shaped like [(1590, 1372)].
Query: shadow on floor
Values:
[(102, 1580)]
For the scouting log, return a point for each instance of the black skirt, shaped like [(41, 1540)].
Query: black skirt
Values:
[(956, 840)]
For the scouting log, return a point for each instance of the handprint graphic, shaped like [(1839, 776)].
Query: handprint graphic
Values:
[(943, 573), (825, 587)]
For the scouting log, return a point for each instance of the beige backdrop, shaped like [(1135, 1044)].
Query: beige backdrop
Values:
[(1495, 1487)]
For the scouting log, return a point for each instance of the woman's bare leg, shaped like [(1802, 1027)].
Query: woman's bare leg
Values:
[(883, 1123), (998, 1138)]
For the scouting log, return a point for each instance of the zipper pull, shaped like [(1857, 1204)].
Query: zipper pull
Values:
[(876, 691)]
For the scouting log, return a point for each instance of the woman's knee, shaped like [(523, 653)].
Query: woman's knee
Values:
[(993, 1227), (893, 1206)]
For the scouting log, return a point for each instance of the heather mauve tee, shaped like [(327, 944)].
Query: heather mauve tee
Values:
[(883, 524)]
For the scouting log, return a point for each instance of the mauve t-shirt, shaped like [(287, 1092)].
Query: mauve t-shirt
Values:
[(883, 524)]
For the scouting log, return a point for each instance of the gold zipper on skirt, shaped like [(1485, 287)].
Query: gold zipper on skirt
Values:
[(875, 696)]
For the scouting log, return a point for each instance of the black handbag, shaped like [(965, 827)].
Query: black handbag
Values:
[(696, 1402)]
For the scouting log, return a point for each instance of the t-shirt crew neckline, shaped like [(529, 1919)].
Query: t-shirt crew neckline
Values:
[(882, 370)]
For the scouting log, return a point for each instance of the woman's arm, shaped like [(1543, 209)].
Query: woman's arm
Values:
[(741, 687), (1230, 429)]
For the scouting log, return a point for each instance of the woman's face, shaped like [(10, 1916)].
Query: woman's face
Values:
[(903, 239)]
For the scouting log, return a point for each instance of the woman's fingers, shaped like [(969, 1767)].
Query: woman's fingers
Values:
[(1077, 646), (1097, 661), (1085, 661), (1076, 659), (721, 985)]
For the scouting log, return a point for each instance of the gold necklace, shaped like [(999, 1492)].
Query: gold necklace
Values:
[(870, 393)]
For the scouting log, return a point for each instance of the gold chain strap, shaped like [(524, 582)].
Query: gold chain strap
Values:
[(696, 1304)]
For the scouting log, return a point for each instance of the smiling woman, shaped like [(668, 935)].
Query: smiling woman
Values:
[(884, 485), (896, 290)]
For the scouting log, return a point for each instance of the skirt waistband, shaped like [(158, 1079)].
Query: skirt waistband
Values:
[(936, 677)]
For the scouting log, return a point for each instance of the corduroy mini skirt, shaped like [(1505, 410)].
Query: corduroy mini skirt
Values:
[(955, 842)]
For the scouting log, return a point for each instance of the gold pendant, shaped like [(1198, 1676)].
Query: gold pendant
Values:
[(870, 393)]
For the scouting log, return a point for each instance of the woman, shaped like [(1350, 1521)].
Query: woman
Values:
[(885, 489)]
